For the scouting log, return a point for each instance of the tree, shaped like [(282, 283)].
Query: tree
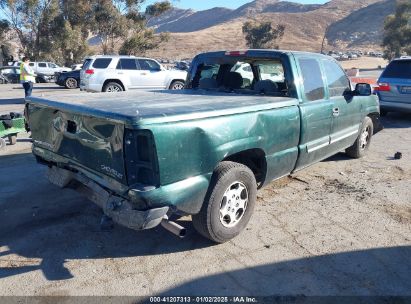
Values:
[(109, 24), (120, 22), (13, 12), (4, 28), (143, 38), (142, 41), (58, 30), (397, 31), (260, 35), (31, 20), (4, 47)]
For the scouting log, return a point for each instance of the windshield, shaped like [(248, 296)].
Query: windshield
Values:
[(265, 77)]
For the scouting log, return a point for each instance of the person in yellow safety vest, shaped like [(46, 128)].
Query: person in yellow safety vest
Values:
[(27, 76)]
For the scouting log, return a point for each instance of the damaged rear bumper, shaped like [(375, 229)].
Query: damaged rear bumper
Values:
[(117, 208)]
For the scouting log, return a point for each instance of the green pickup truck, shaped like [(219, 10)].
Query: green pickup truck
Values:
[(245, 119)]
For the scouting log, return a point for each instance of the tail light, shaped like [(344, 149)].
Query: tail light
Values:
[(141, 158), (383, 87), (89, 72)]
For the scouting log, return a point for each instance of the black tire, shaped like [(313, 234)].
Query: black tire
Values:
[(113, 87), (12, 139), (71, 83), (2, 143), (209, 221), (177, 85), (363, 141), (40, 80)]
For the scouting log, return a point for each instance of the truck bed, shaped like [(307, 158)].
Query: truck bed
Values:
[(162, 106)]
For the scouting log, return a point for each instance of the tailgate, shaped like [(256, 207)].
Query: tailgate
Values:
[(92, 142)]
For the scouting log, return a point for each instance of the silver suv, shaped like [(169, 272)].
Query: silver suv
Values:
[(123, 73)]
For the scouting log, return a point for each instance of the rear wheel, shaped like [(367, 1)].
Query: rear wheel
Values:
[(363, 141), (12, 139), (71, 83), (113, 87), (177, 85), (229, 203)]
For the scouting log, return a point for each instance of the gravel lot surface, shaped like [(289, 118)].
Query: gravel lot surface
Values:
[(340, 227)]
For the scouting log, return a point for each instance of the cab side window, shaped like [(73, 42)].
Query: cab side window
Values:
[(312, 79), (338, 81)]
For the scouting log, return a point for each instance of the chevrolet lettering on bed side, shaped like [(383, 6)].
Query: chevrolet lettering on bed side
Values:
[(244, 119)]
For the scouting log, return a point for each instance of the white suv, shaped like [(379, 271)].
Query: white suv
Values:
[(122, 73), (47, 68)]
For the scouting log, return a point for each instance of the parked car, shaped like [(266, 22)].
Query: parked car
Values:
[(70, 80), (123, 73), (394, 86), (9, 74), (44, 78), (203, 151), (335, 56), (47, 68)]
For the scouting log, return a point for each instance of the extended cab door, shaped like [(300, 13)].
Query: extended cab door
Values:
[(346, 107), (316, 113), (151, 74)]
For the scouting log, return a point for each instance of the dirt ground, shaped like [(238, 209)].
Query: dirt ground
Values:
[(364, 63), (340, 227)]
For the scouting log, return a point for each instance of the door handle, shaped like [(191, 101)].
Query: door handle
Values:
[(143, 73), (336, 112), (120, 73)]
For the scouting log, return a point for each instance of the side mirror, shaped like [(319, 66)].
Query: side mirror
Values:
[(363, 89)]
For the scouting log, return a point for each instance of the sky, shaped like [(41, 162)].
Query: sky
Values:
[(206, 4)]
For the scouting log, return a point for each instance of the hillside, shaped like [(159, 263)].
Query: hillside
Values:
[(350, 31), (180, 20), (221, 28)]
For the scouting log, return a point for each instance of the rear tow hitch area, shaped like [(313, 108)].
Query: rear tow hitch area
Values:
[(116, 209)]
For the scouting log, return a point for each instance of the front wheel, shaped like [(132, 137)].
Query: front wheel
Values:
[(177, 85), (363, 141), (112, 87), (229, 203)]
